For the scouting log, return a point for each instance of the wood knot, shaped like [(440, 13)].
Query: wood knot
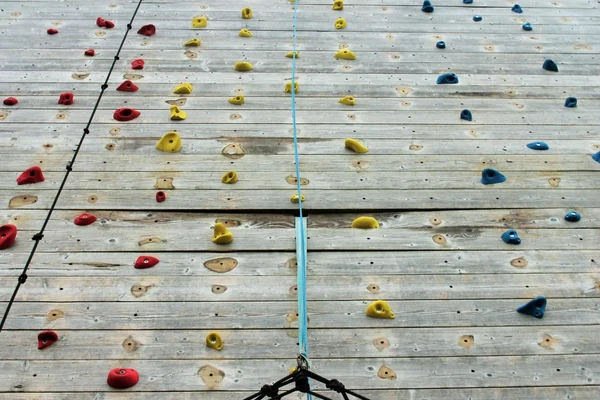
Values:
[(177, 102), (292, 180), (115, 131), (211, 376), (3, 115), (234, 151), (55, 314), (548, 341), (151, 240), (92, 199), (520, 262), (24, 200), (110, 146), (130, 344), (100, 33), (80, 75), (292, 263), (235, 116), (192, 55), (466, 341), (435, 221), (439, 239), (373, 288), (218, 289), (61, 116), (133, 77), (230, 223), (294, 290), (386, 373), (164, 183), (404, 91), (415, 147), (554, 182), (221, 265), (352, 117), (381, 343), (139, 290)]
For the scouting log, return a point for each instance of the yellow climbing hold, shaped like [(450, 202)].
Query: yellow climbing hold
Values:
[(338, 5), (294, 198), (348, 100), (345, 54), (230, 177), (200, 22), (243, 66), (237, 100), (355, 146), (246, 13), (184, 88), (245, 33), (170, 143), (221, 234), (193, 42), (340, 23), (177, 114), (288, 87), (214, 341), (365, 223), (291, 54), (380, 309)]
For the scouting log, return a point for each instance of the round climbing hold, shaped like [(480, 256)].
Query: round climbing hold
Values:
[(221, 234), (52, 31), (380, 309), (122, 378), (490, 176), (427, 7), (193, 42), (517, 9), (365, 223), (90, 53), (477, 18), (214, 341), (467, 1), (183, 88), (230, 177), (144, 262), (348, 100), (177, 114), (550, 65), (243, 66), (572, 216), (441, 44), (237, 100), (8, 235), (200, 22), (345, 54), (288, 87), (527, 27), (246, 13), (340, 23), (147, 30), (355, 146), (31, 175), (126, 114), (338, 5), (127, 86), (160, 196), (571, 102), (169, 143), (538, 146), (535, 307), (293, 54), (10, 101), (66, 98), (295, 199), (511, 237), (137, 64), (244, 32), (46, 339), (100, 22), (85, 219), (109, 24), (447, 78), (466, 115), (596, 157)]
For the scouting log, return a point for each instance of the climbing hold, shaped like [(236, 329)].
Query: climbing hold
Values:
[(571, 102), (214, 341), (147, 30), (466, 115), (143, 262), (90, 53), (447, 78), (85, 219), (177, 114), (66, 98), (380, 309), (295, 198), (230, 177), (137, 64), (245, 33), (338, 5), (288, 87), (193, 42), (46, 339), (517, 9), (169, 143), (427, 7), (183, 88), (10, 101), (441, 44), (365, 223), (550, 65), (511, 237), (52, 31), (31, 175), (596, 157), (109, 24), (527, 27), (221, 234), (490, 176), (126, 114), (122, 378), (237, 100), (127, 86), (246, 13), (348, 100), (467, 1), (160, 196), (243, 66), (477, 18), (345, 54), (538, 146), (100, 22), (535, 307), (355, 146), (340, 23), (8, 234), (573, 216), (200, 22), (291, 54)]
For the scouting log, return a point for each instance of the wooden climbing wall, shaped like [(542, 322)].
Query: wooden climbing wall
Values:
[(437, 259)]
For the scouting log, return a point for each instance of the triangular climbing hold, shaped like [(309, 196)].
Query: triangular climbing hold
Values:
[(46, 339), (527, 27), (122, 378), (340, 23), (147, 30), (126, 114), (345, 54), (192, 42), (596, 156), (137, 64), (221, 234), (10, 101), (243, 66), (127, 86), (447, 78), (288, 87), (538, 146), (427, 7), (477, 18), (292, 53), (466, 115), (200, 22), (571, 102), (295, 198), (441, 44), (230, 177), (85, 219), (177, 114), (237, 100), (380, 309), (338, 5), (169, 143), (244, 32), (246, 13), (31, 175), (90, 53), (365, 223), (52, 31), (66, 98), (183, 88), (160, 196), (535, 307), (348, 100), (572, 216), (490, 176), (517, 9), (550, 65), (143, 262), (355, 146), (8, 235), (511, 237), (214, 341)]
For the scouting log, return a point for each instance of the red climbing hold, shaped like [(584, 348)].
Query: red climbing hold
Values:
[(46, 339), (31, 175), (145, 262), (127, 86), (122, 378), (8, 234), (66, 98), (52, 31), (10, 101), (126, 114), (147, 30), (100, 22), (109, 24), (85, 219), (137, 64), (90, 52), (160, 196)]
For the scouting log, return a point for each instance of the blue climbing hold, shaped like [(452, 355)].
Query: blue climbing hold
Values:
[(490, 176), (466, 115), (573, 216), (467, 1), (441, 44), (550, 65), (511, 237), (517, 9), (427, 7), (527, 27), (596, 156), (571, 102), (477, 18), (535, 307), (447, 78), (538, 146)]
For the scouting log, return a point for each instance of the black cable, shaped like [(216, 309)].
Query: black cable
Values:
[(38, 236)]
